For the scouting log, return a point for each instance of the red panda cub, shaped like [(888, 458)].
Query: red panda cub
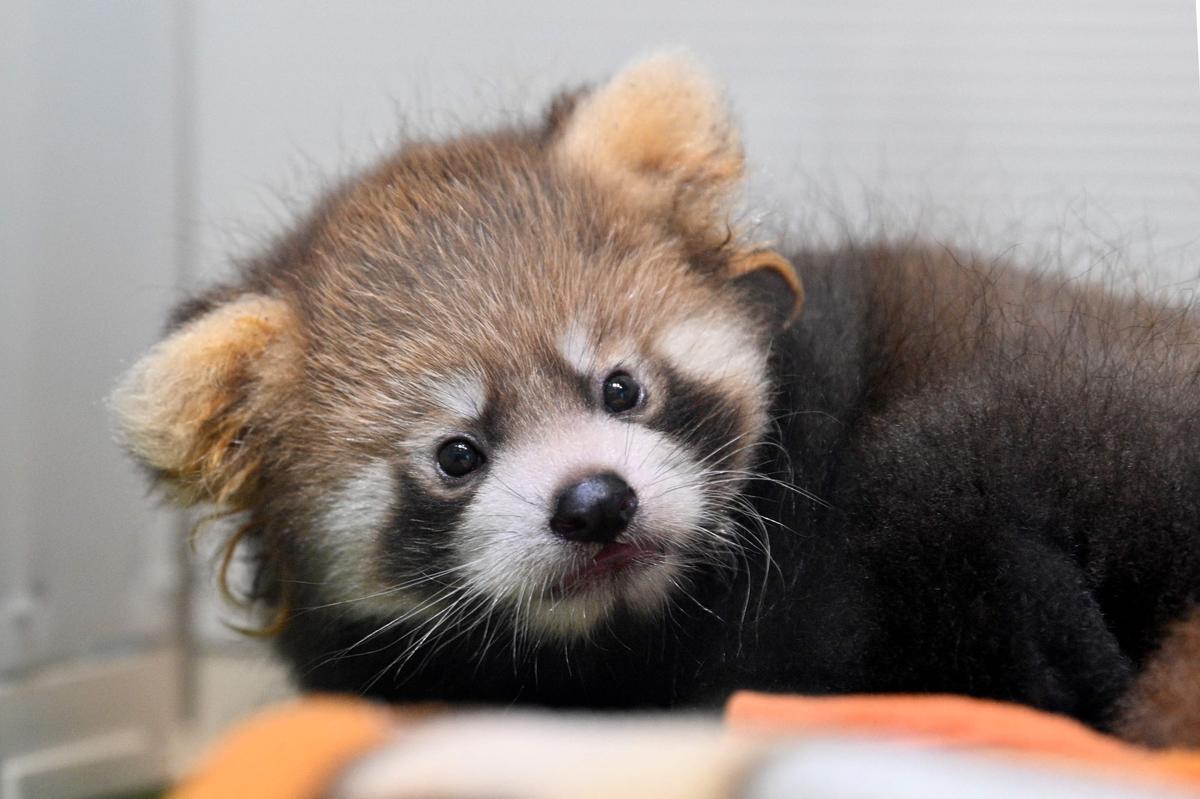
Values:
[(526, 416)]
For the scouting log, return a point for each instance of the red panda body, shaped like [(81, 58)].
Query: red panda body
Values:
[(526, 416)]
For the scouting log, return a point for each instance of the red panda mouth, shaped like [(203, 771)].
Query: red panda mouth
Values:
[(612, 562)]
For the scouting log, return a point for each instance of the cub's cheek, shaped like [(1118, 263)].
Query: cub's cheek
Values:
[(350, 530)]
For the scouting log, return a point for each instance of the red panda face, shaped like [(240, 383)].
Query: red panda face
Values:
[(518, 374), (531, 425)]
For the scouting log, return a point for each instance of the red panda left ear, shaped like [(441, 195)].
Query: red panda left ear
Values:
[(769, 281), (192, 409), (660, 134)]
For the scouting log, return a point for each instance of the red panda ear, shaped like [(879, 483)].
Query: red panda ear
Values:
[(660, 132), (192, 408), (770, 282)]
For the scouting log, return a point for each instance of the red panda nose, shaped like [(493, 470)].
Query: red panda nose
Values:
[(595, 509)]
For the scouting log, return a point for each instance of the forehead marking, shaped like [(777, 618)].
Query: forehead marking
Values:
[(461, 395), (712, 349), (577, 347)]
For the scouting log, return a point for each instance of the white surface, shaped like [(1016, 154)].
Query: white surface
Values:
[(830, 768), (537, 755)]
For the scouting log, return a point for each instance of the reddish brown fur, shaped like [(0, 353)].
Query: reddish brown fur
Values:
[(1163, 707), (940, 308)]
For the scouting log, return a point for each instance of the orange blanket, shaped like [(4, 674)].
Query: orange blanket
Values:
[(295, 751)]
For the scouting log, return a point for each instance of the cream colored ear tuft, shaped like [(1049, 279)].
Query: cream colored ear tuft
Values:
[(659, 124), (188, 408)]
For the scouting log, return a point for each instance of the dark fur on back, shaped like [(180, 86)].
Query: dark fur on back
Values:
[(1017, 479)]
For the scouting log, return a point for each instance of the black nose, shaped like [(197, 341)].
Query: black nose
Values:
[(595, 509)]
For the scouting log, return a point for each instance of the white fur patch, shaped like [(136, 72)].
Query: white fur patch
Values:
[(348, 534), (511, 554), (362, 503), (462, 396), (544, 755), (577, 347), (713, 350)]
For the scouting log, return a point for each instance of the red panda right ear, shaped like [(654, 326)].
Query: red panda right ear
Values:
[(192, 408), (660, 134), (770, 282)]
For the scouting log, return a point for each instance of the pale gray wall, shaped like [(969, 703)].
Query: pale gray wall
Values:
[(87, 240), (1014, 124)]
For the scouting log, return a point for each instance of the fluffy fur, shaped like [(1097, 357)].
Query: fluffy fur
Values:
[(946, 475)]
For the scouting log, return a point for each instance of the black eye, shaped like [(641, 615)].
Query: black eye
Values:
[(621, 392), (458, 457)]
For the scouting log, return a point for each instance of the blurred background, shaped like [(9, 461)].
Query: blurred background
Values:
[(144, 144)]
